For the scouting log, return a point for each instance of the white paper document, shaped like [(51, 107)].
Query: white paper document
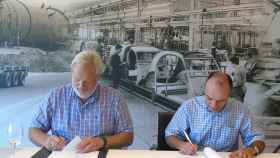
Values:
[(71, 146), (69, 151), (210, 153), (73, 154)]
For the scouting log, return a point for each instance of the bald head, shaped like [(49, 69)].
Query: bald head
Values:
[(221, 75), (217, 90)]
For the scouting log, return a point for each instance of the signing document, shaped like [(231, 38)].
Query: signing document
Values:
[(70, 151)]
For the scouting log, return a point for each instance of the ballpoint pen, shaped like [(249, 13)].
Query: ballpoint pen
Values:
[(188, 138)]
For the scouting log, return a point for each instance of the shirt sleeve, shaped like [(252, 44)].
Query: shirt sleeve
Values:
[(249, 130), (123, 118), (178, 123), (42, 118)]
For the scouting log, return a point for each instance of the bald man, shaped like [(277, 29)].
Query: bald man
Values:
[(215, 121)]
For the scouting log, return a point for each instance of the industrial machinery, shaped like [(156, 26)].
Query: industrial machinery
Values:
[(13, 68), (179, 77), (138, 60), (263, 89), (167, 74), (25, 25), (265, 73), (23, 29)]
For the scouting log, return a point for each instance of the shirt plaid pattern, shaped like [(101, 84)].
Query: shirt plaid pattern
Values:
[(104, 113), (218, 130)]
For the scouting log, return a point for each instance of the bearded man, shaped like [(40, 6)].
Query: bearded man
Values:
[(97, 114)]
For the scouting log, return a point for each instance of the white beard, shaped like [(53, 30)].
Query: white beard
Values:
[(83, 96)]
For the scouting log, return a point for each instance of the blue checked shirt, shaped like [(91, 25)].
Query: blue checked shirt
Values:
[(104, 113), (218, 130)]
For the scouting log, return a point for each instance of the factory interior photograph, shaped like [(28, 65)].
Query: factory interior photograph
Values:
[(163, 78)]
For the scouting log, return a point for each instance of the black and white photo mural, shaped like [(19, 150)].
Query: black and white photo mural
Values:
[(168, 49)]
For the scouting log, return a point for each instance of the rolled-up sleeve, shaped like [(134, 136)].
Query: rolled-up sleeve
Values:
[(42, 118), (123, 118), (250, 132), (178, 123)]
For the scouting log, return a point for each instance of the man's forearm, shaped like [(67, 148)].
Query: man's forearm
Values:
[(173, 141), (119, 140), (37, 136)]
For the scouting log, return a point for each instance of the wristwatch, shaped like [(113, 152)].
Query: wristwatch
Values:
[(104, 139)]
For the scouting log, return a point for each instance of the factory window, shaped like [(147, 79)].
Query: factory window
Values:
[(236, 2), (235, 13)]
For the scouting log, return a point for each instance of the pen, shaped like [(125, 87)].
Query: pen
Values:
[(188, 138)]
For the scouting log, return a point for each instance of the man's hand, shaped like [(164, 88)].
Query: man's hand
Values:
[(243, 153), (90, 144), (55, 143), (187, 148)]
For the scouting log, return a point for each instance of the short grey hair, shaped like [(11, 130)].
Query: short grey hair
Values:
[(89, 56)]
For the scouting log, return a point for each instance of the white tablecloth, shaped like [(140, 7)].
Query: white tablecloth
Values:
[(28, 152)]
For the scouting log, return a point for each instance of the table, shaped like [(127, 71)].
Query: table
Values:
[(20, 153), (28, 152), (168, 154)]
